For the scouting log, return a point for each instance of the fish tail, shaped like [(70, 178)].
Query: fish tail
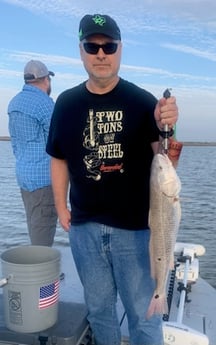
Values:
[(158, 305)]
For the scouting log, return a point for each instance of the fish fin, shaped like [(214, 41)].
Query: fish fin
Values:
[(158, 305), (152, 264), (172, 263)]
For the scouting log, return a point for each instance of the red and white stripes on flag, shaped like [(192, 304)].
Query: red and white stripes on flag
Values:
[(49, 295)]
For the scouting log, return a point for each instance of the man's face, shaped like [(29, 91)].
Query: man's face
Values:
[(49, 85), (103, 61)]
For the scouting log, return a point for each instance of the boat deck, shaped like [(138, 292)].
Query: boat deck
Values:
[(72, 327)]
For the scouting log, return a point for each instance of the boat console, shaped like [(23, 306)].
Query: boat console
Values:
[(186, 274)]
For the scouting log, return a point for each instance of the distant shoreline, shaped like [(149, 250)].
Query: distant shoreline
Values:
[(185, 143)]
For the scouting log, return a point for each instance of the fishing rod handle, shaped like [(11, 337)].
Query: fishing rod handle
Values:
[(166, 132)]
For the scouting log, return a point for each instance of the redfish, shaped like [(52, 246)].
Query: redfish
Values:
[(164, 221)]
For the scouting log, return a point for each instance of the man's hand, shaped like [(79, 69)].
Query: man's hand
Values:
[(166, 112), (65, 219)]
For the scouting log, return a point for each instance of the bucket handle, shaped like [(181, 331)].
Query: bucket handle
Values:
[(4, 281)]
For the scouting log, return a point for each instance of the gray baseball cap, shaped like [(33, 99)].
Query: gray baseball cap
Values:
[(35, 69)]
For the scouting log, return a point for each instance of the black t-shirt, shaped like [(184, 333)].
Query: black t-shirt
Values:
[(106, 140)]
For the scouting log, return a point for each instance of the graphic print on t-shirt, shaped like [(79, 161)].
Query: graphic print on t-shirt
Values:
[(105, 152)]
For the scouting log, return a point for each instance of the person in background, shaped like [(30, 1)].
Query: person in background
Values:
[(29, 120), (103, 135)]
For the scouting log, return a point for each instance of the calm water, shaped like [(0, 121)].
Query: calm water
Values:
[(197, 171)]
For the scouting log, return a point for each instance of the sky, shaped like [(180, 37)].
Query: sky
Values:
[(166, 44)]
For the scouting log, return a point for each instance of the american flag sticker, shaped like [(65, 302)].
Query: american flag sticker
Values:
[(49, 295)]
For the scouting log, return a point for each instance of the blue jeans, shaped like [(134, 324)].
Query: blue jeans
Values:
[(111, 260)]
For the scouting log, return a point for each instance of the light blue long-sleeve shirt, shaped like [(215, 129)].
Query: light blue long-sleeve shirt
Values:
[(30, 113)]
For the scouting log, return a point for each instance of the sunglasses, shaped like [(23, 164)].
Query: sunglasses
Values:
[(93, 48)]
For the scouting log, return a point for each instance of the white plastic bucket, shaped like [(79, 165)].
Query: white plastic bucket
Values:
[(31, 287)]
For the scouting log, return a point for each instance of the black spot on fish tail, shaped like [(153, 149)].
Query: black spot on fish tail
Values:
[(159, 259), (156, 296)]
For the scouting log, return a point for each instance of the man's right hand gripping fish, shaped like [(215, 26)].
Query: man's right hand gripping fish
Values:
[(164, 220)]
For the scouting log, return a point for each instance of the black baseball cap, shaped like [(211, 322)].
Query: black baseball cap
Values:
[(98, 24)]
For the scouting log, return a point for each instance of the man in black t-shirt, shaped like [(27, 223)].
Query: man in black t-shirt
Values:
[(102, 138)]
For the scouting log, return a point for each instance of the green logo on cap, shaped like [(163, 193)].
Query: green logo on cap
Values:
[(99, 20), (80, 33)]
